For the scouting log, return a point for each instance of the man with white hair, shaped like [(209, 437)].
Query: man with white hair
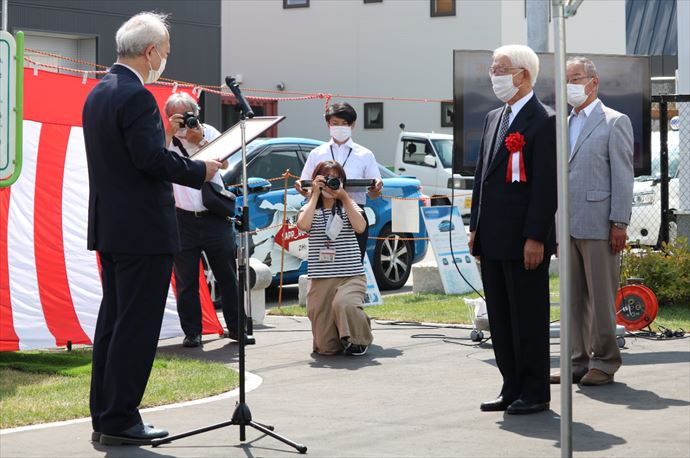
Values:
[(132, 226), (512, 229), (601, 180), (200, 229)]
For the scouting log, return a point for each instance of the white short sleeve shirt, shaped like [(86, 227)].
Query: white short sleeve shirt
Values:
[(189, 198), (358, 162)]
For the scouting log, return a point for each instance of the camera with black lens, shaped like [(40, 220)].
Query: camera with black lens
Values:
[(333, 183), (189, 120)]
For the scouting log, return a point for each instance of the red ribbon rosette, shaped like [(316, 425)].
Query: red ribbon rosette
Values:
[(516, 165)]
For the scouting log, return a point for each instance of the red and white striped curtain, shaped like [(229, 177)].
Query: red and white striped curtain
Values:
[(50, 289)]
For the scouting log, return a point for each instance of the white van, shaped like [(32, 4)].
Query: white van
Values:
[(429, 158)]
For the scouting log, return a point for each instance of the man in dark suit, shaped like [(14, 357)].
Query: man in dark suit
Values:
[(512, 229), (132, 225)]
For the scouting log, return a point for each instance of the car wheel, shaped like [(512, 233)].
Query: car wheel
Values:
[(392, 260), (213, 286)]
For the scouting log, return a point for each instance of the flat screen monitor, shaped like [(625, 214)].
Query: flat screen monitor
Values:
[(624, 85)]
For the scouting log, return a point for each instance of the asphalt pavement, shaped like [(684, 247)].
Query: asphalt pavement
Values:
[(413, 394)]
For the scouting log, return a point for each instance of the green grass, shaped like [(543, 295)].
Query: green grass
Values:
[(447, 308), (41, 387)]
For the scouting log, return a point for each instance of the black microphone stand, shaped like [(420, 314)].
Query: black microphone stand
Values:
[(242, 416)]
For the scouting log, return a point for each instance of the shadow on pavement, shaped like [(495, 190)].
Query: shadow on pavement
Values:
[(622, 394), (374, 353), (657, 357), (547, 426), (130, 451)]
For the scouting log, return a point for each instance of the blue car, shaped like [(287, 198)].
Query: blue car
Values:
[(446, 226), (268, 159)]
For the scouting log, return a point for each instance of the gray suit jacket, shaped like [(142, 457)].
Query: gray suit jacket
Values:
[(601, 174)]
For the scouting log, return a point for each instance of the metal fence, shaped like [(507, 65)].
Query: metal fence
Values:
[(662, 199)]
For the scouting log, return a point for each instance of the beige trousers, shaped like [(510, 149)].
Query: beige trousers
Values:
[(334, 307), (594, 275)]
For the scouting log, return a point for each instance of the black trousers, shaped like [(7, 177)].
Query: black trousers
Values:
[(364, 236), (135, 289), (213, 235), (518, 304)]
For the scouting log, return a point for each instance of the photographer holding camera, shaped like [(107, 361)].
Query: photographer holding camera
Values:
[(357, 161), (200, 229), (337, 281)]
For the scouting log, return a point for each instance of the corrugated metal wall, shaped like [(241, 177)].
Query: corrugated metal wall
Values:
[(652, 29)]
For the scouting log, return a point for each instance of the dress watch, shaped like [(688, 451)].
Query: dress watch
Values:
[(620, 225)]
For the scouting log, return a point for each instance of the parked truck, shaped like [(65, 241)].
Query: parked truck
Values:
[(429, 158)]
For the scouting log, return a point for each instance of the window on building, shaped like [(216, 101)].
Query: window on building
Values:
[(442, 8), (373, 1), (62, 46), (295, 3), (447, 113), (373, 115)]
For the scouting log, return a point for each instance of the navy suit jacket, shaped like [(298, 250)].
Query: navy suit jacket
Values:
[(131, 203), (505, 214)]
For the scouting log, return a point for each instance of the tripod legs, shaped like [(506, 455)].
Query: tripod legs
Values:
[(269, 431), (242, 417)]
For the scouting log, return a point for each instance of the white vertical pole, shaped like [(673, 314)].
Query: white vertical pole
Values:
[(4, 15), (563, 227)]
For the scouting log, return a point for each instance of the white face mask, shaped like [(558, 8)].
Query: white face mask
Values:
[(341, 133), (576, 94), (503, 87), (155, 74)]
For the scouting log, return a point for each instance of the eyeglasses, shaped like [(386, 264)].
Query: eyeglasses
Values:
[(578, 78), (499, 71)]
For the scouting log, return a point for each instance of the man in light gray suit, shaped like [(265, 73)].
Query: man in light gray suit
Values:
[(601, 187)]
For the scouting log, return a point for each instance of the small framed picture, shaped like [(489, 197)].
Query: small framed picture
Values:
[(295, 4), (447, 114), (373, 115)]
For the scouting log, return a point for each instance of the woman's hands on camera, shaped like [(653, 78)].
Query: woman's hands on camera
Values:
[(317, 185)]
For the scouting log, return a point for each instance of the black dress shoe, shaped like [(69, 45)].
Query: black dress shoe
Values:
[(96, 435), (139, 434), (192, 341), (521, 407), (497, 405), (231, 335)]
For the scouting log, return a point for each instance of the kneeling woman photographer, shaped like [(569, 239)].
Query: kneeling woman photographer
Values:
[(337, 280)]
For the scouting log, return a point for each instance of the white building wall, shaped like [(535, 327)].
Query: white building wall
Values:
[(388, 49)]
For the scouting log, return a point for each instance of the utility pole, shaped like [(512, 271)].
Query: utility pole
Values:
[(561, 10), (683, 87)]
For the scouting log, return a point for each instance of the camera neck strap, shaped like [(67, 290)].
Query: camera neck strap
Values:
[(348, 156), (177, 142)]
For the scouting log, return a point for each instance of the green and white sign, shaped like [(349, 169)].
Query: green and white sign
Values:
[(11, 82)]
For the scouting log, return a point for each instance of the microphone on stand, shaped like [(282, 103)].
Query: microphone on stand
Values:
[(241, 101)]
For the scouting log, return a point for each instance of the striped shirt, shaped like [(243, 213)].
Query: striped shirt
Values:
[(348, 258)]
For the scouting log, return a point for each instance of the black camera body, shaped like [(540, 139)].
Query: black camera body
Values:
[(333, 183), (190, 120)]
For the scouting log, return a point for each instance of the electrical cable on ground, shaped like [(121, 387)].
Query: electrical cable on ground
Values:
[(443, 337)]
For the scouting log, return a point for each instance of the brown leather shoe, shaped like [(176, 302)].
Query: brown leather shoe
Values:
[(596, 377), (555, 378)]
